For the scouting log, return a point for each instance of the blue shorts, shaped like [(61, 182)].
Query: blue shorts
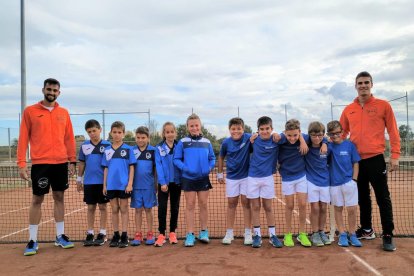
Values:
[(143, 198)]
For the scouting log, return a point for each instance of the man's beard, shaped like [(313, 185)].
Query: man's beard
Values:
[(50, 98)]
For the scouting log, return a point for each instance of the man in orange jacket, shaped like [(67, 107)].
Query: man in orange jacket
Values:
[(366, 119), (48, 129)]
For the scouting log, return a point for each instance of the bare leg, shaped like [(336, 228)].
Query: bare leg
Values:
[(339, 218), (190, 198), (35, 211), (115, 210), (104, 215), (247, 214), (91, 216), (124, 213), (352, 218), (138, 219), (290, 204), (302, 201), (59, 205), (315, 211), (231, 211), (148, 214), (255, 208), (202, 204)]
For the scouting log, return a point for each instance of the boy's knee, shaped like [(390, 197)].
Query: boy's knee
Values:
[(232, 204), (37, 200)]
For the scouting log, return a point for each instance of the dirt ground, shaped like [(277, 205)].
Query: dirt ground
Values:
[(212, 259)]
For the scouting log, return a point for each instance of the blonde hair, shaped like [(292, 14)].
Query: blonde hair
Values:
[(164, 126), (193, 117), (292, 124)]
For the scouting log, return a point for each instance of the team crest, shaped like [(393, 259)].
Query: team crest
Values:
[(148, 155), (101, 149), (43, 182), (123, 153)]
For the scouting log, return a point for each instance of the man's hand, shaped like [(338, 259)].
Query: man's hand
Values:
[(394, 164), (72, 169), (24, 173), (220, 178), (79, 184)]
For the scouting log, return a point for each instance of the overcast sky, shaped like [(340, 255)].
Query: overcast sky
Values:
[(216, 58)]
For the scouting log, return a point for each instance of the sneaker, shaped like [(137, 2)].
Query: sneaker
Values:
[(160, 240), (248, 239), (387, 243), (273, 240), (316, 239), (89, 240), (124, 242), (64, 242), (228, 238), (257, 241), (115, 241), (137, 239), (203, 236), (365, 234), (172, 238), (303, 239), (325, 239), (189, 240), (150, 238), (100, 239), (343, 240), (288, 240), (31, 248), (353, 240)]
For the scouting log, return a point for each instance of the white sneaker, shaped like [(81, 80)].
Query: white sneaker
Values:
[(248, 239), (228, 238)]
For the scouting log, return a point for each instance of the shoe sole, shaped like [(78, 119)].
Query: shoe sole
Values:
[(65, 247), (188, 245), (366, 238), (204, 241), (275, 245), (256, 245), (389, 250), (99, 244)]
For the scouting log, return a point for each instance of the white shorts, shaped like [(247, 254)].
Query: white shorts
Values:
[(236, 187), (296, 186), (345, 194), (263, 187), (318, 193)]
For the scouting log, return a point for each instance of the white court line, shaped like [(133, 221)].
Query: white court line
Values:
[(52, 219), (13, 211), (361, 261)]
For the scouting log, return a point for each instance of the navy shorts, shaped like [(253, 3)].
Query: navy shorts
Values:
[(45, 176), (111, 194), (191, 185), (143, 198), (93, 194)]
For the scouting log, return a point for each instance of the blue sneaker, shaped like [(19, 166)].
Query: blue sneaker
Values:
[(203, 236), (257, 241), (343, 240), (353, 240), (64, 242), (150, 238), (189, 240), (273, 240), (31, 248)]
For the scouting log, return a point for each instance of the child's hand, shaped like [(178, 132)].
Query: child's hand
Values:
[(128, 189), (276, 137), (220, 178), (164, 188), (79, 184), (303, 148), (253, 137), (104, 191), (324, 148)]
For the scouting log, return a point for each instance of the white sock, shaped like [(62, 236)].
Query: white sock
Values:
[(247, 231), (33, 231), (256, 231), (272, 231), (230, 232), (91, 232), (60, 228), (103, 231)]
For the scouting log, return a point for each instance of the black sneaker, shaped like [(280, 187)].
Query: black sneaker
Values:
[(115, 241), (89, 240), (387, 243), (100, 239), (124, 242), (365, 234)]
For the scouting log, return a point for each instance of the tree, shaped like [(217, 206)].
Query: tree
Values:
[(247, 129), (405, 132)]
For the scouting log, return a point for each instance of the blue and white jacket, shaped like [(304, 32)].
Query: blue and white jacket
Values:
[(166, 171)]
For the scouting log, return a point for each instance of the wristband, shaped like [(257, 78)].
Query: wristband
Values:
[(79, 179), (219, 175)]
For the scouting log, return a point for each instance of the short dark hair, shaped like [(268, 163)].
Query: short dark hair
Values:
[(118, 124), (236, 121), (264, 120), (333, 125), (292, 124), (363, 74), (142, 130), (316, 127), (51, 81), (92, 123)]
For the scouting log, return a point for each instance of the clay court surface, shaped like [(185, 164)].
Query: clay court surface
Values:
[(211, 259)]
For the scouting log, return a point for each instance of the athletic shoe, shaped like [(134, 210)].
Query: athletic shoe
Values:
[(100, 239), (64, 242), (288, 240), (387, 243), (137, 239), (257, 241), (353, 240), (189, 240), (124, 242), (115, 241), (303, 239), (273, 240), (325, 239), (365, 234), (31, 248), (343, 240), (248, 239), (160, 240), (150, 238), (316, 239), (89, 240), (203, 236), (172, 238), (228, 238)]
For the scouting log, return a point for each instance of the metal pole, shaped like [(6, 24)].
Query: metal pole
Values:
[(286, 113), (407, 150), (103, 124), (238, 112), (149, 120), (331, 112), (8, 132), (22, 57)]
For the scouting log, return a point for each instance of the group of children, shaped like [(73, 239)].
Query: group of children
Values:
[(312, 168)]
